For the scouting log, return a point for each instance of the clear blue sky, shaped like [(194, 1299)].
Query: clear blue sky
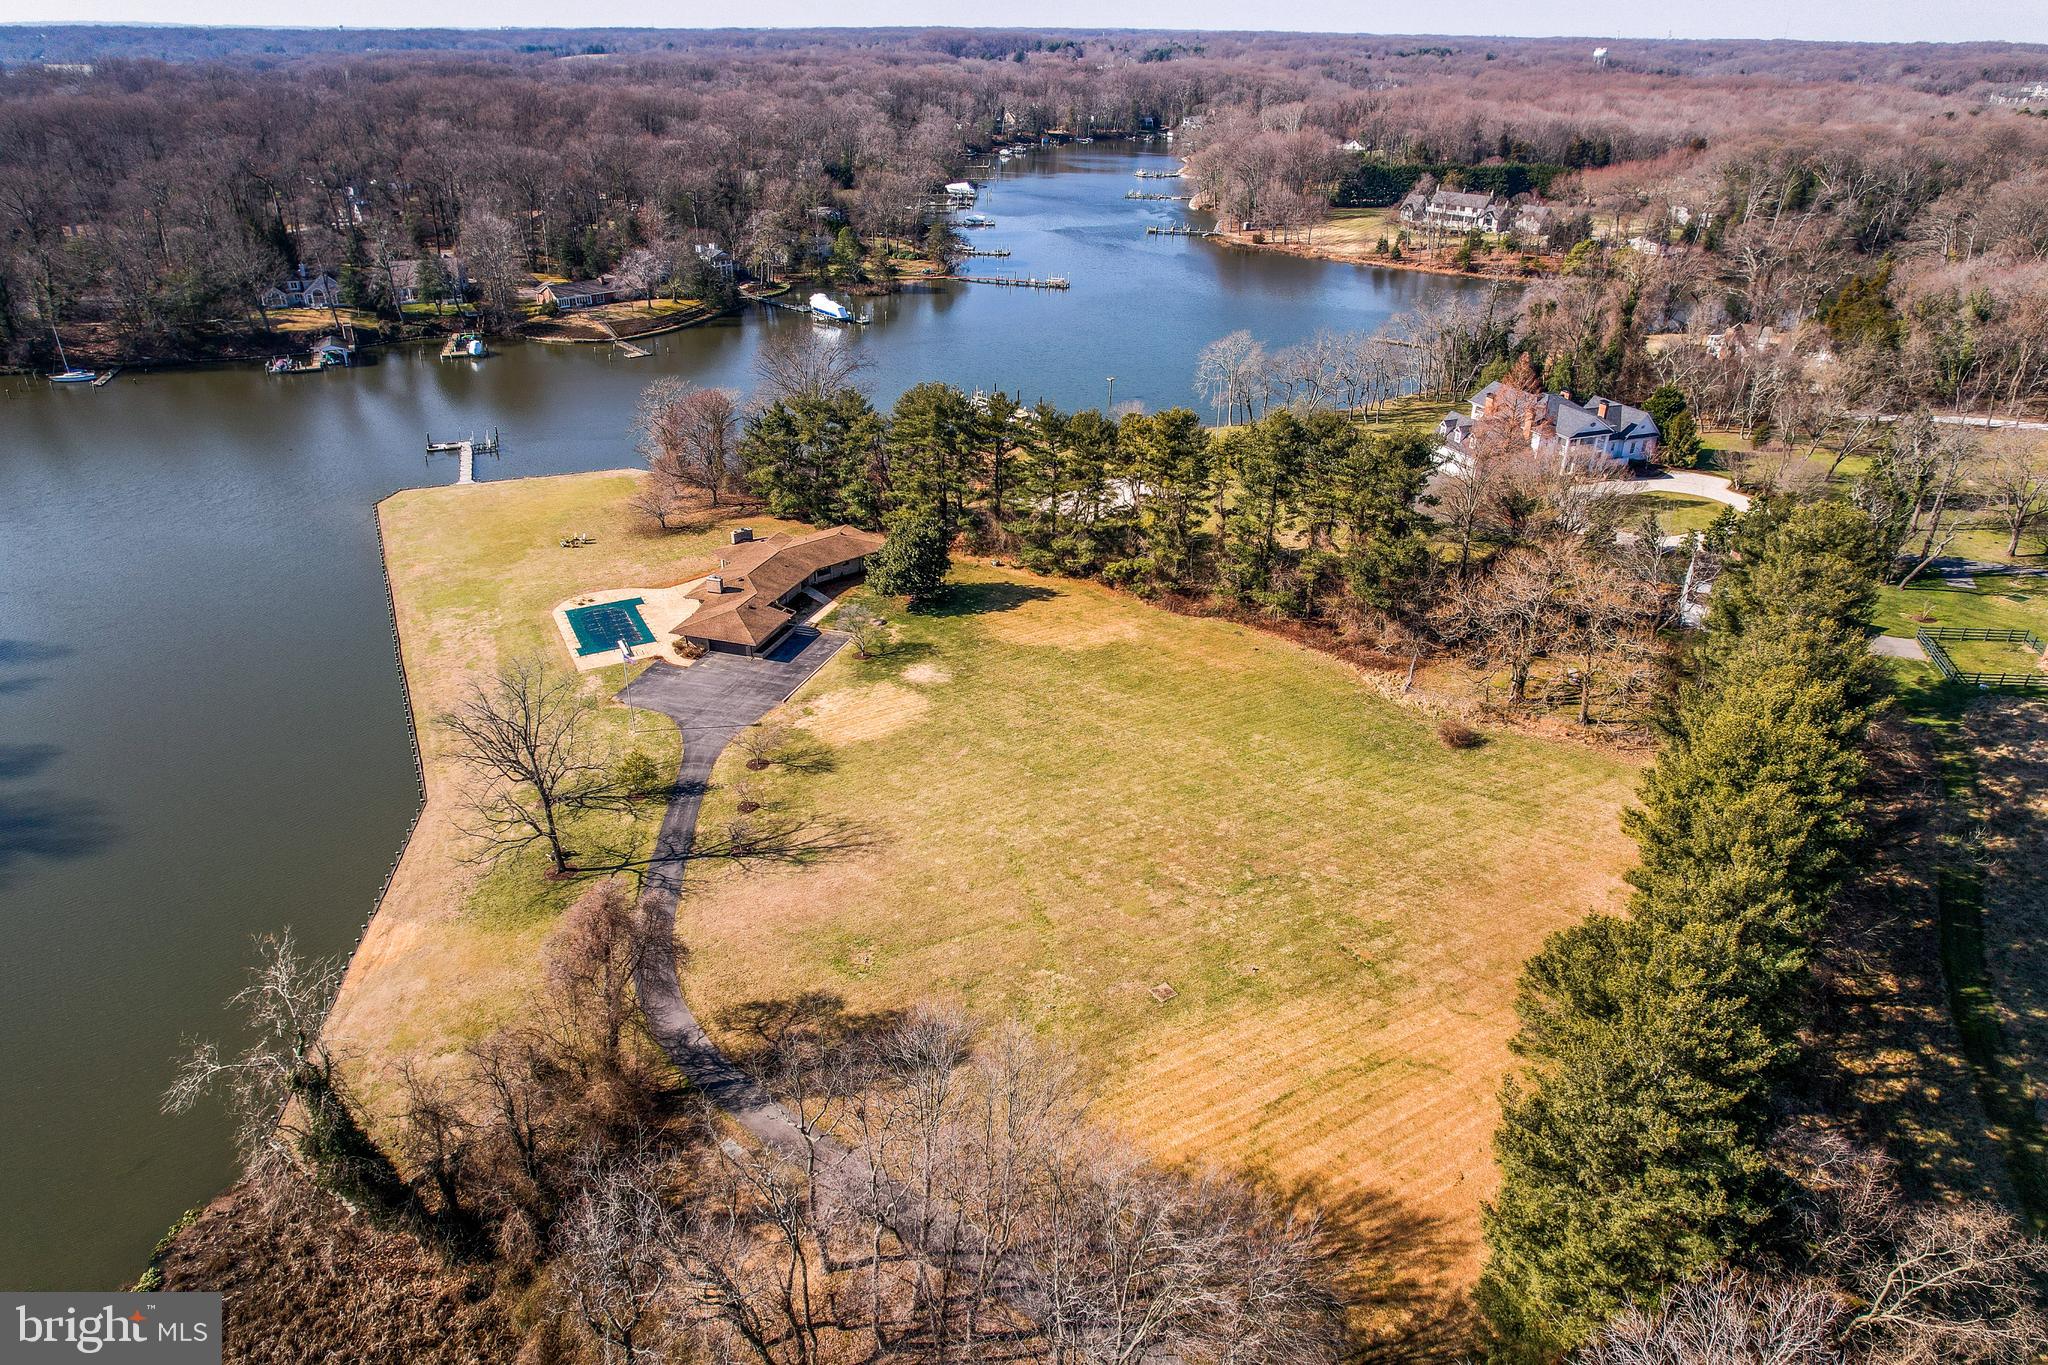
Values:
[(1872, 20)]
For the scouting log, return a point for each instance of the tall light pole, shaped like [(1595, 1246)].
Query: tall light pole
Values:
[(1112, 397)]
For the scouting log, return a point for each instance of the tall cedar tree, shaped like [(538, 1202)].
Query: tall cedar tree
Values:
[(1632, 1144), (913, 562)]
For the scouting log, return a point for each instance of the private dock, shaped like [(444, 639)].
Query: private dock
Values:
[(465, 453), (1158, 175), (1014, 281), (1159, 198), (986, 251), (457, 346), (1180, 232), (105, 377), (627, 348)]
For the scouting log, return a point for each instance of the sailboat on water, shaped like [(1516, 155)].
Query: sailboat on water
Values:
[(67, 375)]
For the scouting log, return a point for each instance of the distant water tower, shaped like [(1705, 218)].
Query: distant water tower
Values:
[(1599, 56)]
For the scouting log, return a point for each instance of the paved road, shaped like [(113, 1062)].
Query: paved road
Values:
[(711, 701)]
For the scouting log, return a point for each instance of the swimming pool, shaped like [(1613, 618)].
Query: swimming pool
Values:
[(600, 627)]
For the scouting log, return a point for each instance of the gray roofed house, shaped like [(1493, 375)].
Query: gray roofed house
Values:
[(1599, 433), (307, 287), (1456, 210)]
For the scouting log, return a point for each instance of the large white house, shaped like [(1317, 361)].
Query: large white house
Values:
[(1455, 211), (1597, 436)]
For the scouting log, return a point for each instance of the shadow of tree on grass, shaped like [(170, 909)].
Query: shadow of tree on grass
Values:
[(982, 599)]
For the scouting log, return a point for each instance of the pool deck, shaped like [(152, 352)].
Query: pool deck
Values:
[(660, 608)]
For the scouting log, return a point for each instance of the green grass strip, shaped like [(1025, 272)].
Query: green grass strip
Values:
[(2002, 1083)]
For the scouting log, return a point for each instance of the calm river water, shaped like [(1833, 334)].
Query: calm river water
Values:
[(201, 733)]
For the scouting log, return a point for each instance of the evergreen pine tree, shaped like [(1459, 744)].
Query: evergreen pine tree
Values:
[(1632, 1144), (914, 561)]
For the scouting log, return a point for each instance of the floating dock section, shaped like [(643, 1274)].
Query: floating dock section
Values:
[(465, 453)]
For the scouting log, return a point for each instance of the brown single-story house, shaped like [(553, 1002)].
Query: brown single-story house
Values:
[(581, 293), (749, 603)]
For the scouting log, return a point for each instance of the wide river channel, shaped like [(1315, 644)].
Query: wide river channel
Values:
[(202, 736)]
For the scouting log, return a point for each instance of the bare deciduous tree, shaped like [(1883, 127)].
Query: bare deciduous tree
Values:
[(690, 438), (522, 734), (806, 363), (865, 627), (590, 965), (1518, 610), (2013, 482), (285, 1093), (1727, 1318), (616, 1260), (761, 742)]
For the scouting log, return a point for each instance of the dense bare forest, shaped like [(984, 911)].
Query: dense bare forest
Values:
[(155, 183)]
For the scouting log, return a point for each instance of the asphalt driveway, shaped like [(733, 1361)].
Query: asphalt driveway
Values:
[(711, 701)]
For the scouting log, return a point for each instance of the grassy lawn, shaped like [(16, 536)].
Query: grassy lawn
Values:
[(1677, 513), (1359, 229), (1992, 603), (319, 322), (474, 573), (1078, 799), (1992, 656)]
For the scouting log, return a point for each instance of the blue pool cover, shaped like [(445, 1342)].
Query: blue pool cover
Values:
[(599, 628)]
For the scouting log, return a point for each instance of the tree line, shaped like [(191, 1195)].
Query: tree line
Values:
[(1664, 1182), (151, 190)]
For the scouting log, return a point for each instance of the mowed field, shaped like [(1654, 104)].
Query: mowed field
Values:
[(475, 570), (1280, 918)]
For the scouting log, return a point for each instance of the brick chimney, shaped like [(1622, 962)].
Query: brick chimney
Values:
[(1603, 409), (742, 534)]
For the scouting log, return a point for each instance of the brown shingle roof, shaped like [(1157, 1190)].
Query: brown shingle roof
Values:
[(758, 574)]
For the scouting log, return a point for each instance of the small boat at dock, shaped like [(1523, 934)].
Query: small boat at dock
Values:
[(825, 308), (465, 346), (69, 374)]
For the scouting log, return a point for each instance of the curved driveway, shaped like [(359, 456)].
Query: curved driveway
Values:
[(1690, 482), (710, 702)]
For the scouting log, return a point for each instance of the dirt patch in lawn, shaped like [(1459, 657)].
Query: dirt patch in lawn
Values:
[(869, 711), (927, 675)]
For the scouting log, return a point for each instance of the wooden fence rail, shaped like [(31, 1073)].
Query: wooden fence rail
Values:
[(1931, 638)]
